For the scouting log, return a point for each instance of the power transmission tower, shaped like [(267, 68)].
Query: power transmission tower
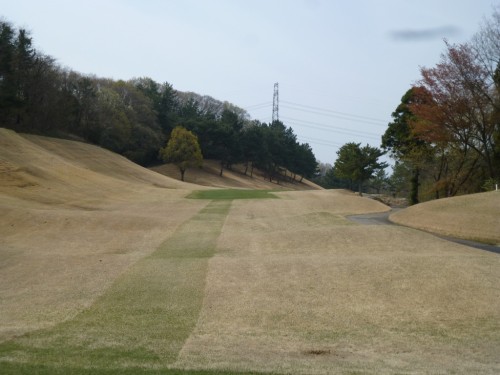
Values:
[(276, 116)]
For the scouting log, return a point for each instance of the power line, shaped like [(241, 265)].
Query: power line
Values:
[(319, 110), (332, 129), (358, 119), (258, 106), (320, 142), (334, 116)]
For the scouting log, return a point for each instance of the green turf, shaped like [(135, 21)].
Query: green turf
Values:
[(7, 368), (230, 194), (144, 318)]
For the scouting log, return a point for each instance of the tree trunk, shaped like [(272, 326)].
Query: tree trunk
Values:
[(414, 186), (182, 173), (221, 168), (360, 186)]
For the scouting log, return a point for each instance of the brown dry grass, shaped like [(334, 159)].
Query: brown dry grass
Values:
[(296, 288), (475, 217), (293, 287), (73, 218)]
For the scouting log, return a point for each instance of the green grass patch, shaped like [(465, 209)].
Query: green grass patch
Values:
[(8, 368), (143, 319), (230, 194)]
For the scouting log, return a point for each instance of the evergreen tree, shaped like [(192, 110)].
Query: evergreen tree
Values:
[(7, 83), (403, 144), (358, 164)]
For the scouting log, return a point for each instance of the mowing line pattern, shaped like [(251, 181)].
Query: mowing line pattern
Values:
[(145, 317)]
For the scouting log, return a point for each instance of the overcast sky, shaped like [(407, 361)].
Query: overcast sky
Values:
[(342, 66)]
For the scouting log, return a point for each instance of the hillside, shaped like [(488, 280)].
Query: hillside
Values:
[(208, 175), (474, 217), (74, 217), (43, 166)]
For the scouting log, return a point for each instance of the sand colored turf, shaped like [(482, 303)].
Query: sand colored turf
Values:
[(296, 288), (474, 217)]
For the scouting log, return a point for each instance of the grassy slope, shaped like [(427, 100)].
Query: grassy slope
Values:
[(208, 175), (74, 218), (475, 217)]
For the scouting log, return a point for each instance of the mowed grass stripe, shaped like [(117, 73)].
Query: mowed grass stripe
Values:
[(144, 319), (231, 194), (29, 369)]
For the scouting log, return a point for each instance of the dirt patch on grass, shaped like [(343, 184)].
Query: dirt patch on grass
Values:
[(318, 352)]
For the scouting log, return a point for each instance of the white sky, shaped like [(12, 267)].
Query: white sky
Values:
[(356, 57)]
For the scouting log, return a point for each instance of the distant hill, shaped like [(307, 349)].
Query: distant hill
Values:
[(474, 217)]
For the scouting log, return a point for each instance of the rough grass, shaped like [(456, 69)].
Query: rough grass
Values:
[(231, 194), (144, 318)]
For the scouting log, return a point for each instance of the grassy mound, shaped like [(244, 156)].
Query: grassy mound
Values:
[(473, 217), (74, 218)]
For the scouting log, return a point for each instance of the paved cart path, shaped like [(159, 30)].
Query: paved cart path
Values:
[(382, 218)]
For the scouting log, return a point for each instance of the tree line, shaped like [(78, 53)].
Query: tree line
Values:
[(445, 133), (135, 118)]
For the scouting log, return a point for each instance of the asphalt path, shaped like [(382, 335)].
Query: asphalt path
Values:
[(382, 218)]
